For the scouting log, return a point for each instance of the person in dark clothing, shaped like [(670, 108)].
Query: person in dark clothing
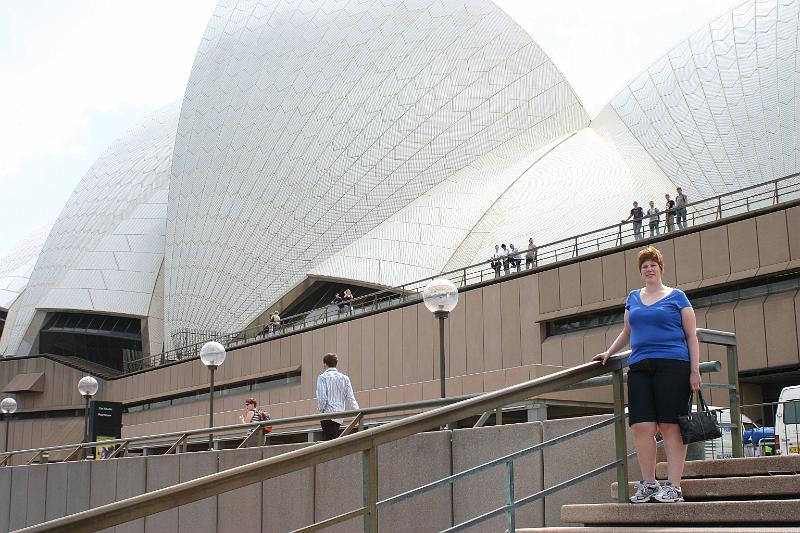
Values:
[(338, 301), (669, 210), (637, 214)]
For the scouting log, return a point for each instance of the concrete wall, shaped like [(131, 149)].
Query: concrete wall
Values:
[(32, 494)]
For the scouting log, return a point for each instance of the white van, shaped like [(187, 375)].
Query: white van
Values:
[(787, 421)]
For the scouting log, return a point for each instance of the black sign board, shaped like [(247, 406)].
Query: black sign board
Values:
[(105, 423)]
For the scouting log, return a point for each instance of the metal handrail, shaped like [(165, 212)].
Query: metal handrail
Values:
[(294, 420), (367, 442), (357, 415), (187, 492), (702, 211)]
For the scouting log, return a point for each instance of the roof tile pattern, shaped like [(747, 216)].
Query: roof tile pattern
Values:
[(721, 110), (105, 250), (306, 124)]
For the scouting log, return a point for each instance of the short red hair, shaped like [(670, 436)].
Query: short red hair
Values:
[(651, 253)]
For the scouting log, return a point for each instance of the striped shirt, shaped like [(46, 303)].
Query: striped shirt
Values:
[(333, 390)]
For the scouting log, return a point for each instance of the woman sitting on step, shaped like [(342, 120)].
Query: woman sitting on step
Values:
[(664, 370)]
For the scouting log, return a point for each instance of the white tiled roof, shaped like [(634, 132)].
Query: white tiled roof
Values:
[(104, 252)]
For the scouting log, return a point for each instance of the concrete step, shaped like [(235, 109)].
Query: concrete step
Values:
[(764, 487), (746, 466), (741, 513), (681, 529)]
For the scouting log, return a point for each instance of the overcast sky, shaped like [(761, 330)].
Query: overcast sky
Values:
[(75, 74)]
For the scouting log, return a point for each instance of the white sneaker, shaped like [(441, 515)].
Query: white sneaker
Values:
[(645, 492), (669, 494)]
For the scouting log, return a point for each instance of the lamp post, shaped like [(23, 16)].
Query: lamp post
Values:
[(87, 387), (212, 354), (8, 406), (440, 297)]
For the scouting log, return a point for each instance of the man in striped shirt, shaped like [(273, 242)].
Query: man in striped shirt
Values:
[(333, 390)]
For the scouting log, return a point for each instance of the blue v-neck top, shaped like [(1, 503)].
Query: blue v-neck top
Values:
[(657, 330)]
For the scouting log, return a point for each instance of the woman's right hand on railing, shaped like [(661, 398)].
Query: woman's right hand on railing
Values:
[(602, 356)]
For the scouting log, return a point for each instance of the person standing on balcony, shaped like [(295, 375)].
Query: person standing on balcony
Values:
[(669, 211), (275, 321), (495, 260), (680, 208), (348, 300), (334, 390), (505, 259), (653, 213), (637, 214), (514, 257), (530, 255), (664, 372)]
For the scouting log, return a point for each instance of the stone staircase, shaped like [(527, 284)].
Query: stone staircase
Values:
[(754, 495)]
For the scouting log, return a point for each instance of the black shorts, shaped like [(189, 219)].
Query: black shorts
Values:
[(658, 390)]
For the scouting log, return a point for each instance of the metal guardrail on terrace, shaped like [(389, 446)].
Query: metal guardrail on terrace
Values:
[(367, 443), (705, 211), (179, 441)]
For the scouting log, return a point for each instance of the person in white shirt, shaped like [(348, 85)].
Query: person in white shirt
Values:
[(505, 259), (333, 391), (653, 213)]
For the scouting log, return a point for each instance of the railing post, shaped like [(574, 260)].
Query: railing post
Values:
[(776, 193), (719, 208), (736, 414), (620, 438), (511, 519), (464, 282), (619, 236), (575, 248), (370, 472)]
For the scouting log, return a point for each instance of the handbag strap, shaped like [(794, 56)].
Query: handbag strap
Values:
[(701, 403)]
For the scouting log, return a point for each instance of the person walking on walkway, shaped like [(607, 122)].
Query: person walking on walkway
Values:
[(334, 390), (664, 371), (251, 415)]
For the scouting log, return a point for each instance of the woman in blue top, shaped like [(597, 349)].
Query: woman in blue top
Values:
[(664, 370)]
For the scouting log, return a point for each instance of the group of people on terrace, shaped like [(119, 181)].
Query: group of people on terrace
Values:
[(508, 257), (343, 300), (674, 215)]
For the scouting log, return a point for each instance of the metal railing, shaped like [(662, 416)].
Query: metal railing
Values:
[(176, 442), (783, 418), (367, 442), (705, 211)]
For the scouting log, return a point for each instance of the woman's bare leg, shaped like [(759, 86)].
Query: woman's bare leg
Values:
[(676, 452), (644, 436)]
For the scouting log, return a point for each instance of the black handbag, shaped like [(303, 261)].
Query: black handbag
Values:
[(699, 426)]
